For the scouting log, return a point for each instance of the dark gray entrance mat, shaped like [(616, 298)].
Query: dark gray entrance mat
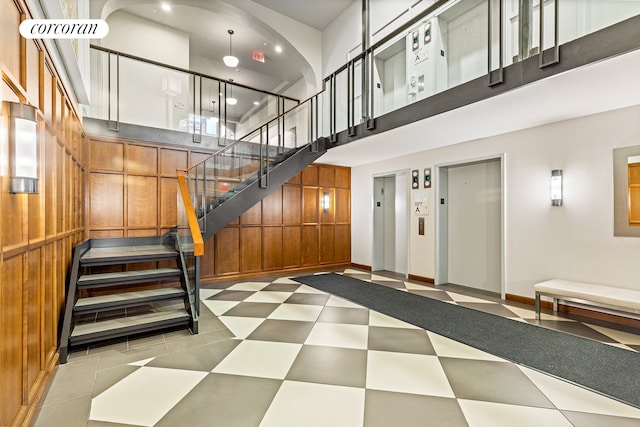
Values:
[(609, 370)]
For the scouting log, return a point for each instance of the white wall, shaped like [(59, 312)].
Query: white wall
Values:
[(573, 242), (340, 37), (140, 37)]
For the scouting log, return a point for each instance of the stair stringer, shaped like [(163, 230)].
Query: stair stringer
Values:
[(222, 215)]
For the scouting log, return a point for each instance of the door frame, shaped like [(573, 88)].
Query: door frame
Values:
[(442, 239)]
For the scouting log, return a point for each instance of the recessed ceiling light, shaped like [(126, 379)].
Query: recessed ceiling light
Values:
[(166, 7), (256, 103), (279, 49)]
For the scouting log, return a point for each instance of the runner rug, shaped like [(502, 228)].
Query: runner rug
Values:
[(609, 370)]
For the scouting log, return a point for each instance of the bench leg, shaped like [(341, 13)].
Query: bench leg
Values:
[(537, 306)]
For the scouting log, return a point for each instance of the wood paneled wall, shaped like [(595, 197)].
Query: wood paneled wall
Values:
[(133, 192), (37, 232), (288, 230), (133, 186)]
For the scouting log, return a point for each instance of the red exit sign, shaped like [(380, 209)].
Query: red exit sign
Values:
[(258, 56)]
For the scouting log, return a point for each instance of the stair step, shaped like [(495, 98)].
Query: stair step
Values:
[(126, 254), (126, 299), (112, 328), (126, 277)]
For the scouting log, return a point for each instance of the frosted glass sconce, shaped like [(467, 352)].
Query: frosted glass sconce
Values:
[(326, 202), (556, 187), (23, 148)]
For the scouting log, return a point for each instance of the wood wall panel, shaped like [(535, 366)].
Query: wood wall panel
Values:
[(273, 248), (310, 205), (310, 246), (343, 178), (208, 261), (10, 37), (343, 243), (107, 156), (142, 201), (33, 311), (58, 102), (107, 200), (142, 159), (227, 250), (197, 157), (106, 233), (11, 334), (168, 202), (50, 298), (60, 185), (47, 84), (296, 180), (292, 247), (327, 244), (13, 224), (327, 177), (272, 208), (309, 176), (342, 206), (253, 216), (172, 160), (251, 249), (291, 204), (33, 72)]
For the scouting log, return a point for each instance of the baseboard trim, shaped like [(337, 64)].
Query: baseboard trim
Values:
[(261, 274), (421, 279), (579, 311), (361, 266), (29, 413)]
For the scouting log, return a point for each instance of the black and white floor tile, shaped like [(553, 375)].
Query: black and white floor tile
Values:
[(273, 352)]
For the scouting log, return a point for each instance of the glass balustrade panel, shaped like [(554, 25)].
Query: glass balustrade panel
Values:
[(155, 96)]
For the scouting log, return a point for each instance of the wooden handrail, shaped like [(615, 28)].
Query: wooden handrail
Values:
[(196, 235)]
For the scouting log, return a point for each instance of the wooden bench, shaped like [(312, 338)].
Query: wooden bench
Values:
[(608, 299)]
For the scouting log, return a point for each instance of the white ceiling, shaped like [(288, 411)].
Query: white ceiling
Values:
[(207, 23), (314, 13), (603, 86)]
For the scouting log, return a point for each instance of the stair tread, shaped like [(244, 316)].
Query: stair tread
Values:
[(118, 252), (123, 275), (128, 322), (129, 296)]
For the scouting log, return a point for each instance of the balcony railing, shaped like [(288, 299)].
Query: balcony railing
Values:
[(214, 112), (453, 42)]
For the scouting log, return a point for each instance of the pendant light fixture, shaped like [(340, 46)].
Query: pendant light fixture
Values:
[(230, 60), (230, 99)]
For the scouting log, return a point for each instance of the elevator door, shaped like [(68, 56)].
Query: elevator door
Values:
[(474, 225), (390, 224)]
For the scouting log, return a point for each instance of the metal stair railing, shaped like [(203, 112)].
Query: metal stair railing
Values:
[(190, 246), (250, 159)]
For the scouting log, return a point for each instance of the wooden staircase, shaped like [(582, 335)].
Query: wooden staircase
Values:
[(147, 288)]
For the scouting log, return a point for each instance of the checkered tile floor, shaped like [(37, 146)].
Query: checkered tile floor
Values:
[(278, 353)]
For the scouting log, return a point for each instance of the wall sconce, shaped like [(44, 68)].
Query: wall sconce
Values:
[(23, 148), (556, 187), (326, 202)]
